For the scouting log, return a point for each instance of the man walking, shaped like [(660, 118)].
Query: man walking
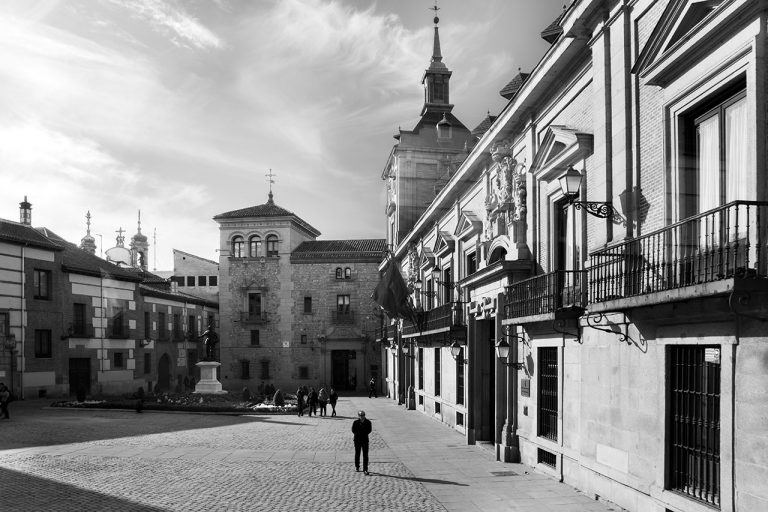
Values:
[(361, 427), (5, 398), (372, 388)]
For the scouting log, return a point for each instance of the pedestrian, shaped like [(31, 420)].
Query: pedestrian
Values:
[(361, 427), (312, 401), (322, 399), (333, 397), (300, 400), (186, 383), (372, 388), (5, 398)]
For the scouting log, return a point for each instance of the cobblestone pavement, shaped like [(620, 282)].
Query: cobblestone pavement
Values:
[(62, 460)]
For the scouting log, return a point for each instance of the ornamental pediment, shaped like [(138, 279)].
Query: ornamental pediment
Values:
[(469, 224), (560, 147), (444, 243)]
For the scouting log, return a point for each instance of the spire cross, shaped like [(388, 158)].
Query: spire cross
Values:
[(88, 222), (139, 221), (435, 8), (270, 175), (120, 236)]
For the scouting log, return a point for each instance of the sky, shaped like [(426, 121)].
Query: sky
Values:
[(179, 109)]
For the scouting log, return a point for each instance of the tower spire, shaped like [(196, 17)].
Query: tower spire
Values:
[(436, 54), (88, 243), (436, 77), (269, 176)]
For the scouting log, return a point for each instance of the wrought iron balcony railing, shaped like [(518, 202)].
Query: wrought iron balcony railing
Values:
[(118, 330), (77, 330), (342, 317), (728, 242), (546, 294), (444, 318)]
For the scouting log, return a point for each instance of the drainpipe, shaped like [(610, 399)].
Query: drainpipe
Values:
[(23, 324)]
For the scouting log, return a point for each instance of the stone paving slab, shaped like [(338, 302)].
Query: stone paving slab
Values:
[(120, 460)]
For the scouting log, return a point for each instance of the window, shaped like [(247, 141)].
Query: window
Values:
[(42, 283), (147, 325), (42, 343), (201, 281), (238, 247), (255, 337), (265, 370), (78, 319), (177, 327), (460, 379), (190, 280), (191, 327), (471, 263), (547, 399), (303, 339), (162, 327), (254, 246), (339, 275), (179, 280), (5, 325), (118, 359), (303, 372), (693, 440), (255, 306), (245, 369), (307, 304), (421, 368), (437, 372), (213, 280), (342, 304), (347, 273), (118, 328), (272, 245), (148, 362)]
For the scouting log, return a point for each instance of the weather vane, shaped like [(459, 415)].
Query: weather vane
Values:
[(435, 8), (270, 175)]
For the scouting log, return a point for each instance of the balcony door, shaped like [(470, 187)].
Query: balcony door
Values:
[(566, 254)]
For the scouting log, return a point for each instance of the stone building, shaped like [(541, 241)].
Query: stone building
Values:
[(603, 248), (296, 310), (195, 275), (72, 321)]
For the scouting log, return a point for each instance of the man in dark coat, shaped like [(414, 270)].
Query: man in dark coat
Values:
[(361, 427)]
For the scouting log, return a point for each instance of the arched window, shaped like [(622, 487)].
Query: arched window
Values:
[(272, 245), (338, 273), (347, 273), (238, 247), (254, 244)]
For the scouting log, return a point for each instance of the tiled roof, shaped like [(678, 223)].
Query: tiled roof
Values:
[(152, 291), (553, 31), (514, 85), (79, 261), (335, 250), (17, 233), (268, 209), (484, 125)]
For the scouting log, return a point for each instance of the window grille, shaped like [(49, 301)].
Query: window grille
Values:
[(437, 372), (694, 422), (548, 373)]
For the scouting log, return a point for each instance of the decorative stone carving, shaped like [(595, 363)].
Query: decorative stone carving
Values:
[(508, 190), (413, 267)]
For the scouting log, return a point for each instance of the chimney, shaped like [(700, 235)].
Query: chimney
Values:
[(25, 212)]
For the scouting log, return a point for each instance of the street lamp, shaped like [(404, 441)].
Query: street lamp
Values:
[(570, 183), (502, 353), (456, 353)]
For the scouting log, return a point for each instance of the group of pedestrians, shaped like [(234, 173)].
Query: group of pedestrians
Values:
[(311, 399)]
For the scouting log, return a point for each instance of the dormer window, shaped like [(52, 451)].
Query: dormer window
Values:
[(443, 129)]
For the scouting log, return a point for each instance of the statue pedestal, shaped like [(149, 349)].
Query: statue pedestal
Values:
[(208, 383)]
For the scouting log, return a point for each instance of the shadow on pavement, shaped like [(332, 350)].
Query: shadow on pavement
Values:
[(422, 480), (25, 492)]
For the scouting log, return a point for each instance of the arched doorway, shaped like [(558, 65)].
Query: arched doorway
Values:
[(164, 373)]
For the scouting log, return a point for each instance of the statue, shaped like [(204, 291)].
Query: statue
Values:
[(210, 339)]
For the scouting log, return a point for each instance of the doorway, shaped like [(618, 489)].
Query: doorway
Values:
[(164, 373), (343, 371), (79, 375)]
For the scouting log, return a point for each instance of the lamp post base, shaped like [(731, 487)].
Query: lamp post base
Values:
[(510, 447), (208, 383)]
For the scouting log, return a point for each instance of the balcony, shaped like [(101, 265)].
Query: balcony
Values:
[(446, 318), (177, 335), (544, 297), (342, 317), (247, 317), (380, 334), (118, 330), (714, 253), (79, 331)]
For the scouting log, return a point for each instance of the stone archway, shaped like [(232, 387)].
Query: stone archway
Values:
[(164, 373)]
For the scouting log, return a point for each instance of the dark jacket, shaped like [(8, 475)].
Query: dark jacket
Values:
[(333, 397), (361, 429)]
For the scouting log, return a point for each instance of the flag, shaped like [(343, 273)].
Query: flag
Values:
[(392, 293)]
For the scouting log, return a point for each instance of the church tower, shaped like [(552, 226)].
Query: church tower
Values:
[(88, 243), (435, 79), (140, 248)]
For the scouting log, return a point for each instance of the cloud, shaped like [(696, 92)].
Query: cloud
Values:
[(169, 19)]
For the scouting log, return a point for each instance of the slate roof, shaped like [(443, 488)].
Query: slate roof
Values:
[(553, 30), (17, 233), (484, 125), (340, 250), (514, 85), (79, 261)]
